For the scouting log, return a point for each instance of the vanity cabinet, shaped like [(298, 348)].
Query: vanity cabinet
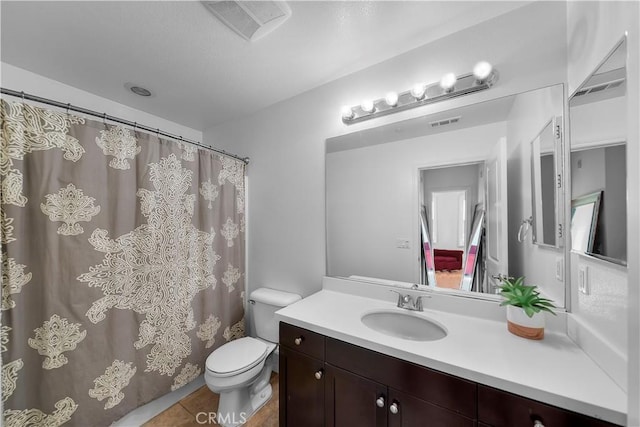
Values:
[(328, 382)]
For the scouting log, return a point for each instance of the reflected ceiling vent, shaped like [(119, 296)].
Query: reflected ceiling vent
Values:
[(250, 19), (445, 122), (600, 88)]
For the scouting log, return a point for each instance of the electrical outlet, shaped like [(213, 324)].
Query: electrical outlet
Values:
[(560, 269), (402, 244), (583, 279)]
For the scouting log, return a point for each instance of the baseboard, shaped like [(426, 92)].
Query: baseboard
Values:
[(144, 413)]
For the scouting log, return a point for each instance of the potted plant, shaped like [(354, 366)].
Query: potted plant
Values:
[(525, 308)]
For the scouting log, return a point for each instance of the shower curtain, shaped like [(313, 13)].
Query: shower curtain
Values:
[(122, 265)]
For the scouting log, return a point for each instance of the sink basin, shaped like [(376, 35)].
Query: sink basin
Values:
[(404, 325)]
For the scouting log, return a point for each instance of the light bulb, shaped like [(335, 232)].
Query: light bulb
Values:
[(347, 113), (448, 81), (417, 91), (367, 106), (482, 71), (391, 99)]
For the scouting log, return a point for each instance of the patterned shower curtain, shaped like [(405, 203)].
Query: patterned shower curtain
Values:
[(122, 265)]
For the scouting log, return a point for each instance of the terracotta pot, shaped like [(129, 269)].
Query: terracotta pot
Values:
[(520, 324)]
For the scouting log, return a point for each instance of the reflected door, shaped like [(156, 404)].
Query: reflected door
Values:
[(497, 257)]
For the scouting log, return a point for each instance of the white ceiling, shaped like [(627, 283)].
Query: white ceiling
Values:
[(201, 72)]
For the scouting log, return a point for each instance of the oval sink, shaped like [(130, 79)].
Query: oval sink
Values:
[(404, 325)]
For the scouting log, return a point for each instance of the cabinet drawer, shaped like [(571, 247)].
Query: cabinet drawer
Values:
[(435, 387), (302, 340), (502, 409)]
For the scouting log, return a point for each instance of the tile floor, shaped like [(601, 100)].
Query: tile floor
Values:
[(183, 413)]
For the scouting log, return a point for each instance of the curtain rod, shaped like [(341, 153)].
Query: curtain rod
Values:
[(105, 116)]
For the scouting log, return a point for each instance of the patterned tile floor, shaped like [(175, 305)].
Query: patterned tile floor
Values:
[(183, 413)]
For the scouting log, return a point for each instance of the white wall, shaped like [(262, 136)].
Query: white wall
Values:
[(22, 80), (530, 112), (599, 122), (286, 142), (593, 29), (372, 198)]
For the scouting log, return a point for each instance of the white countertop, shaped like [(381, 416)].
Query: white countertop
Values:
[(555, 370)]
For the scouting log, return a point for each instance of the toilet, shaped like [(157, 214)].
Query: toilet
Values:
[(240, 370)]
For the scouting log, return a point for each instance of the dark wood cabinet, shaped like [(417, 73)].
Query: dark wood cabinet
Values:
[(351, 400), (301, 389), (498, 408), (414, 412), (328, 382)]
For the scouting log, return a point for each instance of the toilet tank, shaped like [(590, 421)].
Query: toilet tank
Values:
[(265, 302)]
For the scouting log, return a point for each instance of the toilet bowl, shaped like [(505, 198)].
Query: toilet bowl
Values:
[(240, 370)]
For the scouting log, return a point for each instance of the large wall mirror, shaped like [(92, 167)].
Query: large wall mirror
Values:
[(598, 162), (438, 200)]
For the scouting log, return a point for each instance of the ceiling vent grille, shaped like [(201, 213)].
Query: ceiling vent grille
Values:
[(600, 87), (445, 122), (250, 19)]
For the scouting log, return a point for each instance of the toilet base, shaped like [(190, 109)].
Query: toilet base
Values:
[(237, 406)]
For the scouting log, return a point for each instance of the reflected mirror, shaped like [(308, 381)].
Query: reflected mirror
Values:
[(598, 162), (438, 200), (545, 180)]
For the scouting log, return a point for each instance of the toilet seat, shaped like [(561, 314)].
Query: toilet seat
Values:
[(236, 356)]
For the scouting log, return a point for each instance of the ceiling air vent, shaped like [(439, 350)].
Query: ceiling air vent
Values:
[(250, 19), (600, 87), (444, 122)]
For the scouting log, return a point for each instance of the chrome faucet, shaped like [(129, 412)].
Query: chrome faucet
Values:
[(409, 302)]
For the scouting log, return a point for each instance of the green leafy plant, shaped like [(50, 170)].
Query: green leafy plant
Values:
[(516, 293)]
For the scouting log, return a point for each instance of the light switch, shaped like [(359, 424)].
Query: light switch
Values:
[(402, 244), (560, 269), (583, 279)]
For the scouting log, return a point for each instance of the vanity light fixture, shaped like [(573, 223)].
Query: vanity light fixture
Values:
[(448, 82), (391, 99), (450, 86), (482, 71), (347, 113), (418, 91), (367, 106)]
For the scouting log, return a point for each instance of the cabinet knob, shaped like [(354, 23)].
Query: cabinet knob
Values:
[(537, 423), (318, 375), (380, 402), (298, 340), (394, 408)]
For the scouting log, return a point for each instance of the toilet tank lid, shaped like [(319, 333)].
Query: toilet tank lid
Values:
[(274, 297)]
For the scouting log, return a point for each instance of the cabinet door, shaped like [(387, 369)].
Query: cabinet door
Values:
[(301, 390), (352, 400), (408, 411)]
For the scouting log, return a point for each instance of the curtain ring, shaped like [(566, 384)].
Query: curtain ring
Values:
[(135, 126), (158, 132), (22, 95), (68, 107)]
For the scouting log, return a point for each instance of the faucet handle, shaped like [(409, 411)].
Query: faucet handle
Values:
[(419, 301), (402, 299)]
